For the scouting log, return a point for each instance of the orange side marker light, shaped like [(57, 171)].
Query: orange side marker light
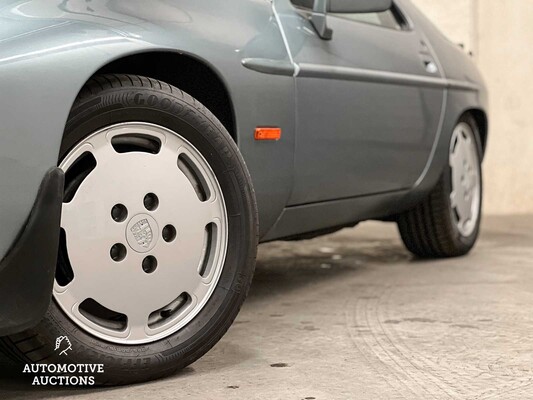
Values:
[(262, 133)]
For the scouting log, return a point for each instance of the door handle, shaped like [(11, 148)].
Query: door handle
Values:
[(431, 66), (429, 63)]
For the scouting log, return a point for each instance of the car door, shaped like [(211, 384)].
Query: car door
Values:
[(369, 101)]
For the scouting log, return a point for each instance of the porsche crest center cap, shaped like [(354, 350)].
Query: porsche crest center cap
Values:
[(142, 233)]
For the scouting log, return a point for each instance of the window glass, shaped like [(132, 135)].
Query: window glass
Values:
[(303, 3), (385, 19)]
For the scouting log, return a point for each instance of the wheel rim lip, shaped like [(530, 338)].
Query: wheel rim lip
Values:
[(106, 334), (466, 227)]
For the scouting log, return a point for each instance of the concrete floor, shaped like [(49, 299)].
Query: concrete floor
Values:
[(353, 316)]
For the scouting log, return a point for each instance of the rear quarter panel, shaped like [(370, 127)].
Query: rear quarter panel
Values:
[(467, 91)]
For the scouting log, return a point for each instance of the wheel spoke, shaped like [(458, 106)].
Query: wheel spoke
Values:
[(463, 207), (102, 149), (210, 211), (200, 291), (137, 325), (68, 215), (453, 199), (453, 158), (72, 295), (473, 180)]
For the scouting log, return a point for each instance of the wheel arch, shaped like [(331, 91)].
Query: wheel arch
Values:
[(481, 119), (186, 72)]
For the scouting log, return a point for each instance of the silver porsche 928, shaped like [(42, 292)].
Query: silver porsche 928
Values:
[(146, 148)]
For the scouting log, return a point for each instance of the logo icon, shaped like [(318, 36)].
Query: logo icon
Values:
[(63, 344), (142, 232)]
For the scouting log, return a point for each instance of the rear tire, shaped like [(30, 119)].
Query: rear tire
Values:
[(104, 102), (438, 227)]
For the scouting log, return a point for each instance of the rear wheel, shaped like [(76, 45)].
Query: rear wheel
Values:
[(159, 234), (446, 223)]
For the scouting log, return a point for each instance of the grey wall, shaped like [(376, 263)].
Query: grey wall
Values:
[(500, 34)]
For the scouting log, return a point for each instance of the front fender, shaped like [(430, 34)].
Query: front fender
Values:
[(49, 49), (40, 76)]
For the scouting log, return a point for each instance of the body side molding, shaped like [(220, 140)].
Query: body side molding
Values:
[(305, 70)]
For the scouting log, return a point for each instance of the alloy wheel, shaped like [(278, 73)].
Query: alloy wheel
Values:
[(465, 197), (144, 233)]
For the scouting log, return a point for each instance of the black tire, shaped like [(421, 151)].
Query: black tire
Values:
[(429, 229), (111, 99)]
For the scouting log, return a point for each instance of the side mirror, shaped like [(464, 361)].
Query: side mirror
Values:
[(322, 7)]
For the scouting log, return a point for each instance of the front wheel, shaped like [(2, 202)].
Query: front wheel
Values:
[(158, 234), (446, 223)]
